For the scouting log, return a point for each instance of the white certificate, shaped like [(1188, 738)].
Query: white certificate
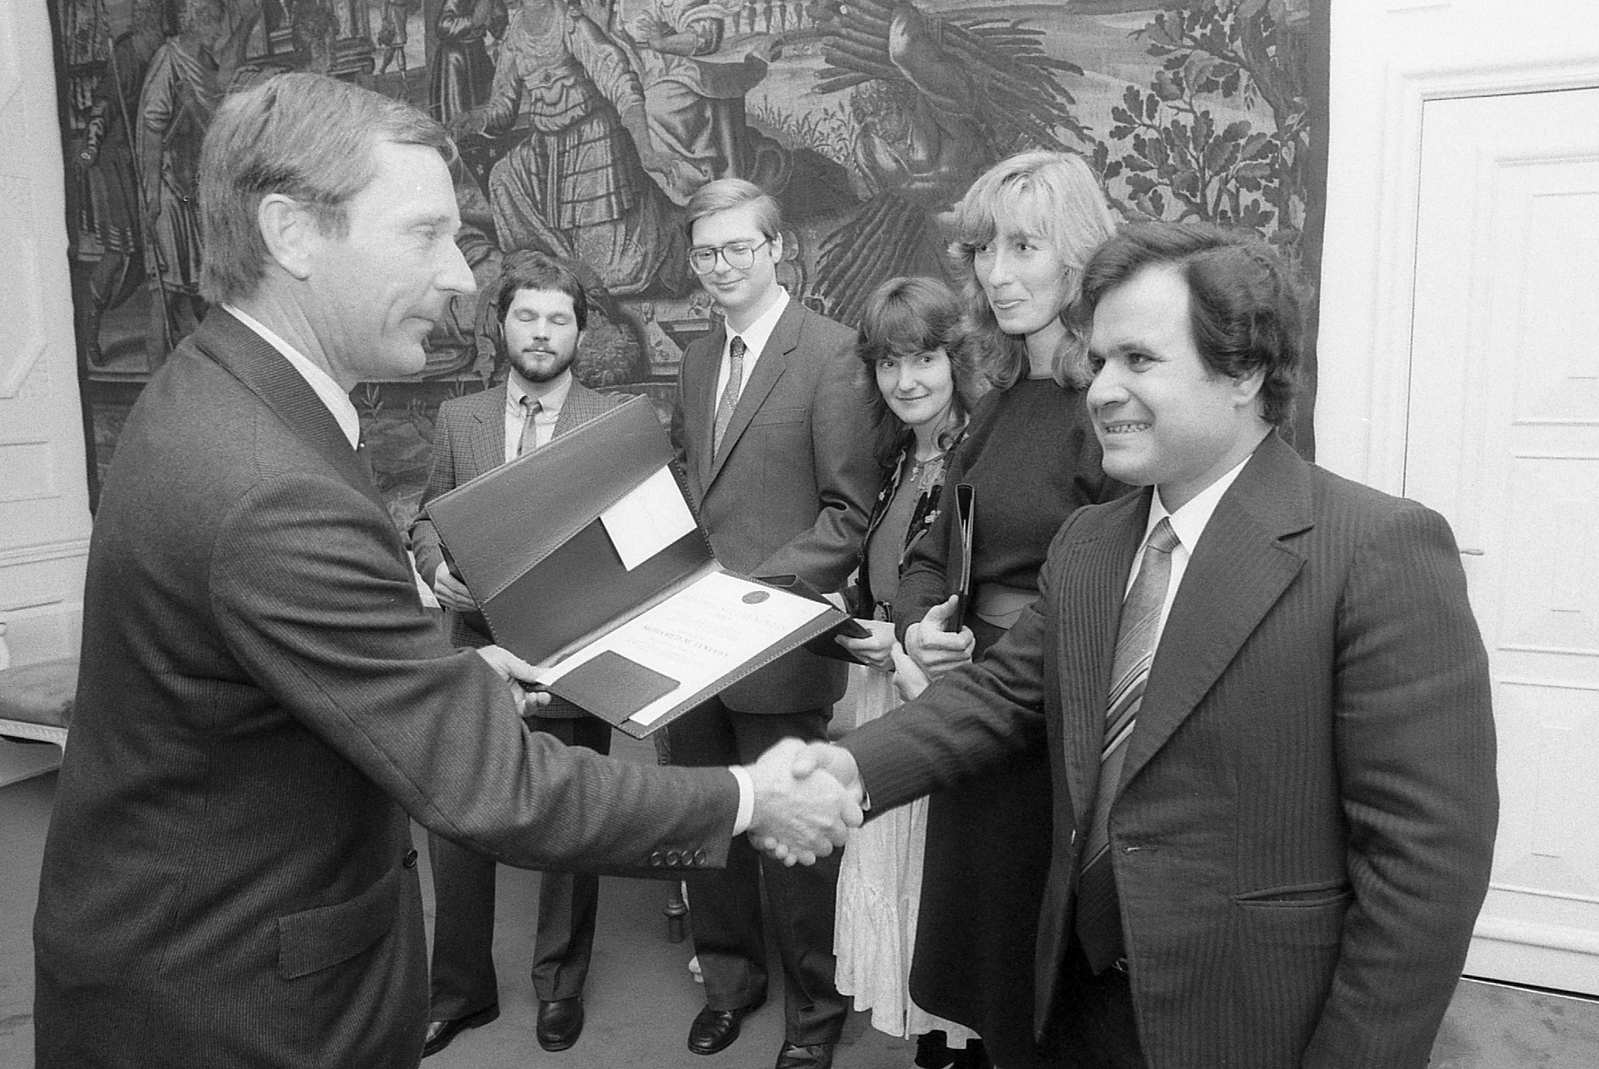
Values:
[(697, 636)]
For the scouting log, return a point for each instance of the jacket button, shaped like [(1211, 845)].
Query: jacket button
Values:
[(699, 857), (410, 859), (674, 858), (656, 859)]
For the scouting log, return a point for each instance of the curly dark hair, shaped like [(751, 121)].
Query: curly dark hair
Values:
[(908, 315)]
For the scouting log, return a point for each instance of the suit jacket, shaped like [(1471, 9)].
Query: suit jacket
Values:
[(468, 440), (789, 491), (1304, 826), (228, 878)]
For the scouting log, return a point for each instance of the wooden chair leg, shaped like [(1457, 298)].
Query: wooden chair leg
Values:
[(676, 914)]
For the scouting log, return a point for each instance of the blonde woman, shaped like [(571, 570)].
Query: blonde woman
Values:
[(1022, 234)]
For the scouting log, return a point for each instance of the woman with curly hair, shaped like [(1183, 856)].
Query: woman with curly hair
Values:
[(912, 345)]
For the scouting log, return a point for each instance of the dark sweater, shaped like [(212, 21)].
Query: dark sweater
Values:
[(1032, 459)]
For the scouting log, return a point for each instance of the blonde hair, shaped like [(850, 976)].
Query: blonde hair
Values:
[(725, 194), (1050, 193)]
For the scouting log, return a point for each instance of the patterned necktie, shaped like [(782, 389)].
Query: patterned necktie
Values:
[(528, 439), (1098, 917), (735, 382)]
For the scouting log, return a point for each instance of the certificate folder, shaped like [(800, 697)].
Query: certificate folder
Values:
[(556, 547), (965, 526)]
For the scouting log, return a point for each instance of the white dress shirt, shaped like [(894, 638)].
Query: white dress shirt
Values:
[(550, 403), (755, 338), (1188, 523), (332, 394)]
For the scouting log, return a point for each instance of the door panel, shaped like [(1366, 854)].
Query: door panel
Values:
[(1503, 438)]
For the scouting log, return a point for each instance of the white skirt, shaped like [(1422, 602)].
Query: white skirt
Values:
[(879, 890)]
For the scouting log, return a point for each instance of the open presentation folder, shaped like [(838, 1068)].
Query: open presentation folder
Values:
[(584, 555)]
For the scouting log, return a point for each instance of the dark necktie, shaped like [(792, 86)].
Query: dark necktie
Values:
[(1098, 916), (729, 399), (528, 440)]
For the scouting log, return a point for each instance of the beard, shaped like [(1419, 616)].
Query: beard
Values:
[(542, 365)]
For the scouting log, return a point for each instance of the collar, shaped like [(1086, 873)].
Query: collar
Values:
[(757, 333), (1190, 521), (330, 393), (551, 401)]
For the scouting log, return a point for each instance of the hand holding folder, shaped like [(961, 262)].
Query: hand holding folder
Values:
[(941, 640), (585, 556), (965, 519)]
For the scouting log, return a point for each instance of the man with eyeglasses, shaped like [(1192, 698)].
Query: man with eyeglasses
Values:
[(773, 430)]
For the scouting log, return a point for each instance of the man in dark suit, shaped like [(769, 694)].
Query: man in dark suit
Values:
[(540, 309), (1264, 696), (263, 703), (773, 431)]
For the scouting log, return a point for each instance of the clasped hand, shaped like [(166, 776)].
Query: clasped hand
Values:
[(807, 797), (876, 650)]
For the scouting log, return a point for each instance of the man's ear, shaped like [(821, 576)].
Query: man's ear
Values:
[(1246, 388), (291, 234), (777, 248)]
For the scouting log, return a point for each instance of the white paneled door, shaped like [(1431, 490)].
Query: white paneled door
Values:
[(1503, 438)]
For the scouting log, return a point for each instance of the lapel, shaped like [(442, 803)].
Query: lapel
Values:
[(697, 381), (1240, 569), (262, 370), (769, 368), (486, 436), (582, 404), (1091, 581)]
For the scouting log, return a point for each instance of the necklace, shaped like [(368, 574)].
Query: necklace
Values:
[(924, 472)]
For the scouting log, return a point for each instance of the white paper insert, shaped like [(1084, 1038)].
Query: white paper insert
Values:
[(651, 517)]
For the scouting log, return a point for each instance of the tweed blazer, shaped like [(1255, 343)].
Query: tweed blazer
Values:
[(1304, 825), (263, 707), (468, 440), (789, 490)]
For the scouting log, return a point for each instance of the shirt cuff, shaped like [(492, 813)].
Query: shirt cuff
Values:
[(746, 799)]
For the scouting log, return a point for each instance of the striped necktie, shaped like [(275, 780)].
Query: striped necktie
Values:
[(1098, 916), (729, 399)]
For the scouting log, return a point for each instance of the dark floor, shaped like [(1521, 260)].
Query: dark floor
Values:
[(640, 996)]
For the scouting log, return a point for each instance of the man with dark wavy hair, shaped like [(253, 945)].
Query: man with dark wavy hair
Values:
[(1265, 700)]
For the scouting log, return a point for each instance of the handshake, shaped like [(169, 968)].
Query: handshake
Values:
[(807, 797)]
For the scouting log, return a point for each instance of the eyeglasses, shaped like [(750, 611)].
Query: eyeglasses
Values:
[(739, 255)]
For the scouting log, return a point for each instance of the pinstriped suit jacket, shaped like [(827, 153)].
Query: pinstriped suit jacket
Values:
[(468, 440), (263, 703), (1304, 826)]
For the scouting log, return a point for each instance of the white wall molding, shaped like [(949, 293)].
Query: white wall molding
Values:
[(1387, 64), (44, 502)]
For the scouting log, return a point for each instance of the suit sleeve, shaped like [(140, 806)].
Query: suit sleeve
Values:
[(312, 597), (424, 537), (847, 478), (1415, 748), (970, 720)]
